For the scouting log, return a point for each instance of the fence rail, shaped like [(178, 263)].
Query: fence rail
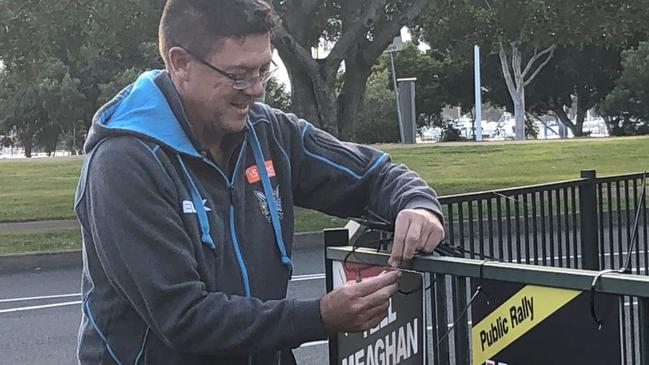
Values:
[(460, 268)]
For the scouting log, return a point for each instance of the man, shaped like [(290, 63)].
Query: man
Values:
[(186, 203)]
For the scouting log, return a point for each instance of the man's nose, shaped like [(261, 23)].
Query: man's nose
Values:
[(256, 90)]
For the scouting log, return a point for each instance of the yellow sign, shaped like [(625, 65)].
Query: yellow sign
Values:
[(512, 319)]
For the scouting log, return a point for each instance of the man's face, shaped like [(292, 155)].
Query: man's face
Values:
[(211, 100)]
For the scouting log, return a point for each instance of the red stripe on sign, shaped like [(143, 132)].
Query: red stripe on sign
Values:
[(252, 173)]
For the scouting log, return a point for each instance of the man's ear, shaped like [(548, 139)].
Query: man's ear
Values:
[(179, 61)]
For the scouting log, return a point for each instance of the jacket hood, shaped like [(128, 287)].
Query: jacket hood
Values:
[(141, 109)]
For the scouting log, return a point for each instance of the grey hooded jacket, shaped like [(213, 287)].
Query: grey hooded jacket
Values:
[(188, 263)]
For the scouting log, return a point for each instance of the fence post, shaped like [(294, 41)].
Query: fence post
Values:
[(588, 220), (333, 238)]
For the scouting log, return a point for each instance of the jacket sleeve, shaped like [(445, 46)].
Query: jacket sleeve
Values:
[(149, 259), (347, 179)]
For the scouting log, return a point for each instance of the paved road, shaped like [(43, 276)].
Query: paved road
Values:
[(41, 326)]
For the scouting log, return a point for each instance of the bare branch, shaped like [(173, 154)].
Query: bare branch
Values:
[(390, 30), (536, 57), (505, 67), (357, 30), (542, 122), (516, 64), (549, 50), (562, 117), (286, 43)]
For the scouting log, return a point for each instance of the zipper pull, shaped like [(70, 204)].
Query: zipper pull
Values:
[(231, 193)]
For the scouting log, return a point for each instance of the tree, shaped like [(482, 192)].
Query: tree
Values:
[(525, 34), (377, 121), (626, 108), (59, 58), (439, 83), (276, 95), (577, 76), (357, 32)]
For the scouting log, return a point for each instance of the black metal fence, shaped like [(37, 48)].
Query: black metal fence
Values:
[(584, 223)]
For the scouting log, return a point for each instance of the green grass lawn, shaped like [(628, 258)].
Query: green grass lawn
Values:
[(37, 189), (13, 242), (44, 189)]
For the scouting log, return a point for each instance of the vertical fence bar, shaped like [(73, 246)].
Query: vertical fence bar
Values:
[(557, 199), (646, 239), (527, 227), (575, 244), (609, 210), (460, 218), (434, 332), (551, 224), (566, 221), (481, 240), (499, 214), (451, 226), (588, 221), (441, 347), (544, 246), (461, 330), (471, 232), (628, 222), (643, 333), (600, 222), (623, 326), (636, 206), (632, 329), (490, 227), (618, 190), (535, 232), (333, 238), (517, 212), (508, 213)]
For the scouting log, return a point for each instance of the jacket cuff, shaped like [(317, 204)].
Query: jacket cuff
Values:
[(431, 205), (307, 323)]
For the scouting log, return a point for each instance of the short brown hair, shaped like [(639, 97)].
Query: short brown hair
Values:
[(198, 24)]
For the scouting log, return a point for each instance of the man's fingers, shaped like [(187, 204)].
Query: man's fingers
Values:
[(381, 296), (376, 315), (413, 238), (376, 283), (400, 230)]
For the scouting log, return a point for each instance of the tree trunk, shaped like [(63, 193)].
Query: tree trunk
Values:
[(564, 118), (351, 96), (519, 115), (579, 123), (27, 145), (313, 98)]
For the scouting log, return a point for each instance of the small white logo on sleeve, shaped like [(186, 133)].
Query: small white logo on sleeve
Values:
[(188, 206)]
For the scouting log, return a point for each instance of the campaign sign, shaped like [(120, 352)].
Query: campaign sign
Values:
[(399, 338), (516, 324)]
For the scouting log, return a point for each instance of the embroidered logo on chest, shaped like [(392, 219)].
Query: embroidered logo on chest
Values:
[(263, 205)]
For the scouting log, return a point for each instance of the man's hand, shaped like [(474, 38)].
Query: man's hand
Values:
[(356, 307), (415, 230)]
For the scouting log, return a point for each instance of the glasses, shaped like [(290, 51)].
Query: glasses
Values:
[(239, 82)]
